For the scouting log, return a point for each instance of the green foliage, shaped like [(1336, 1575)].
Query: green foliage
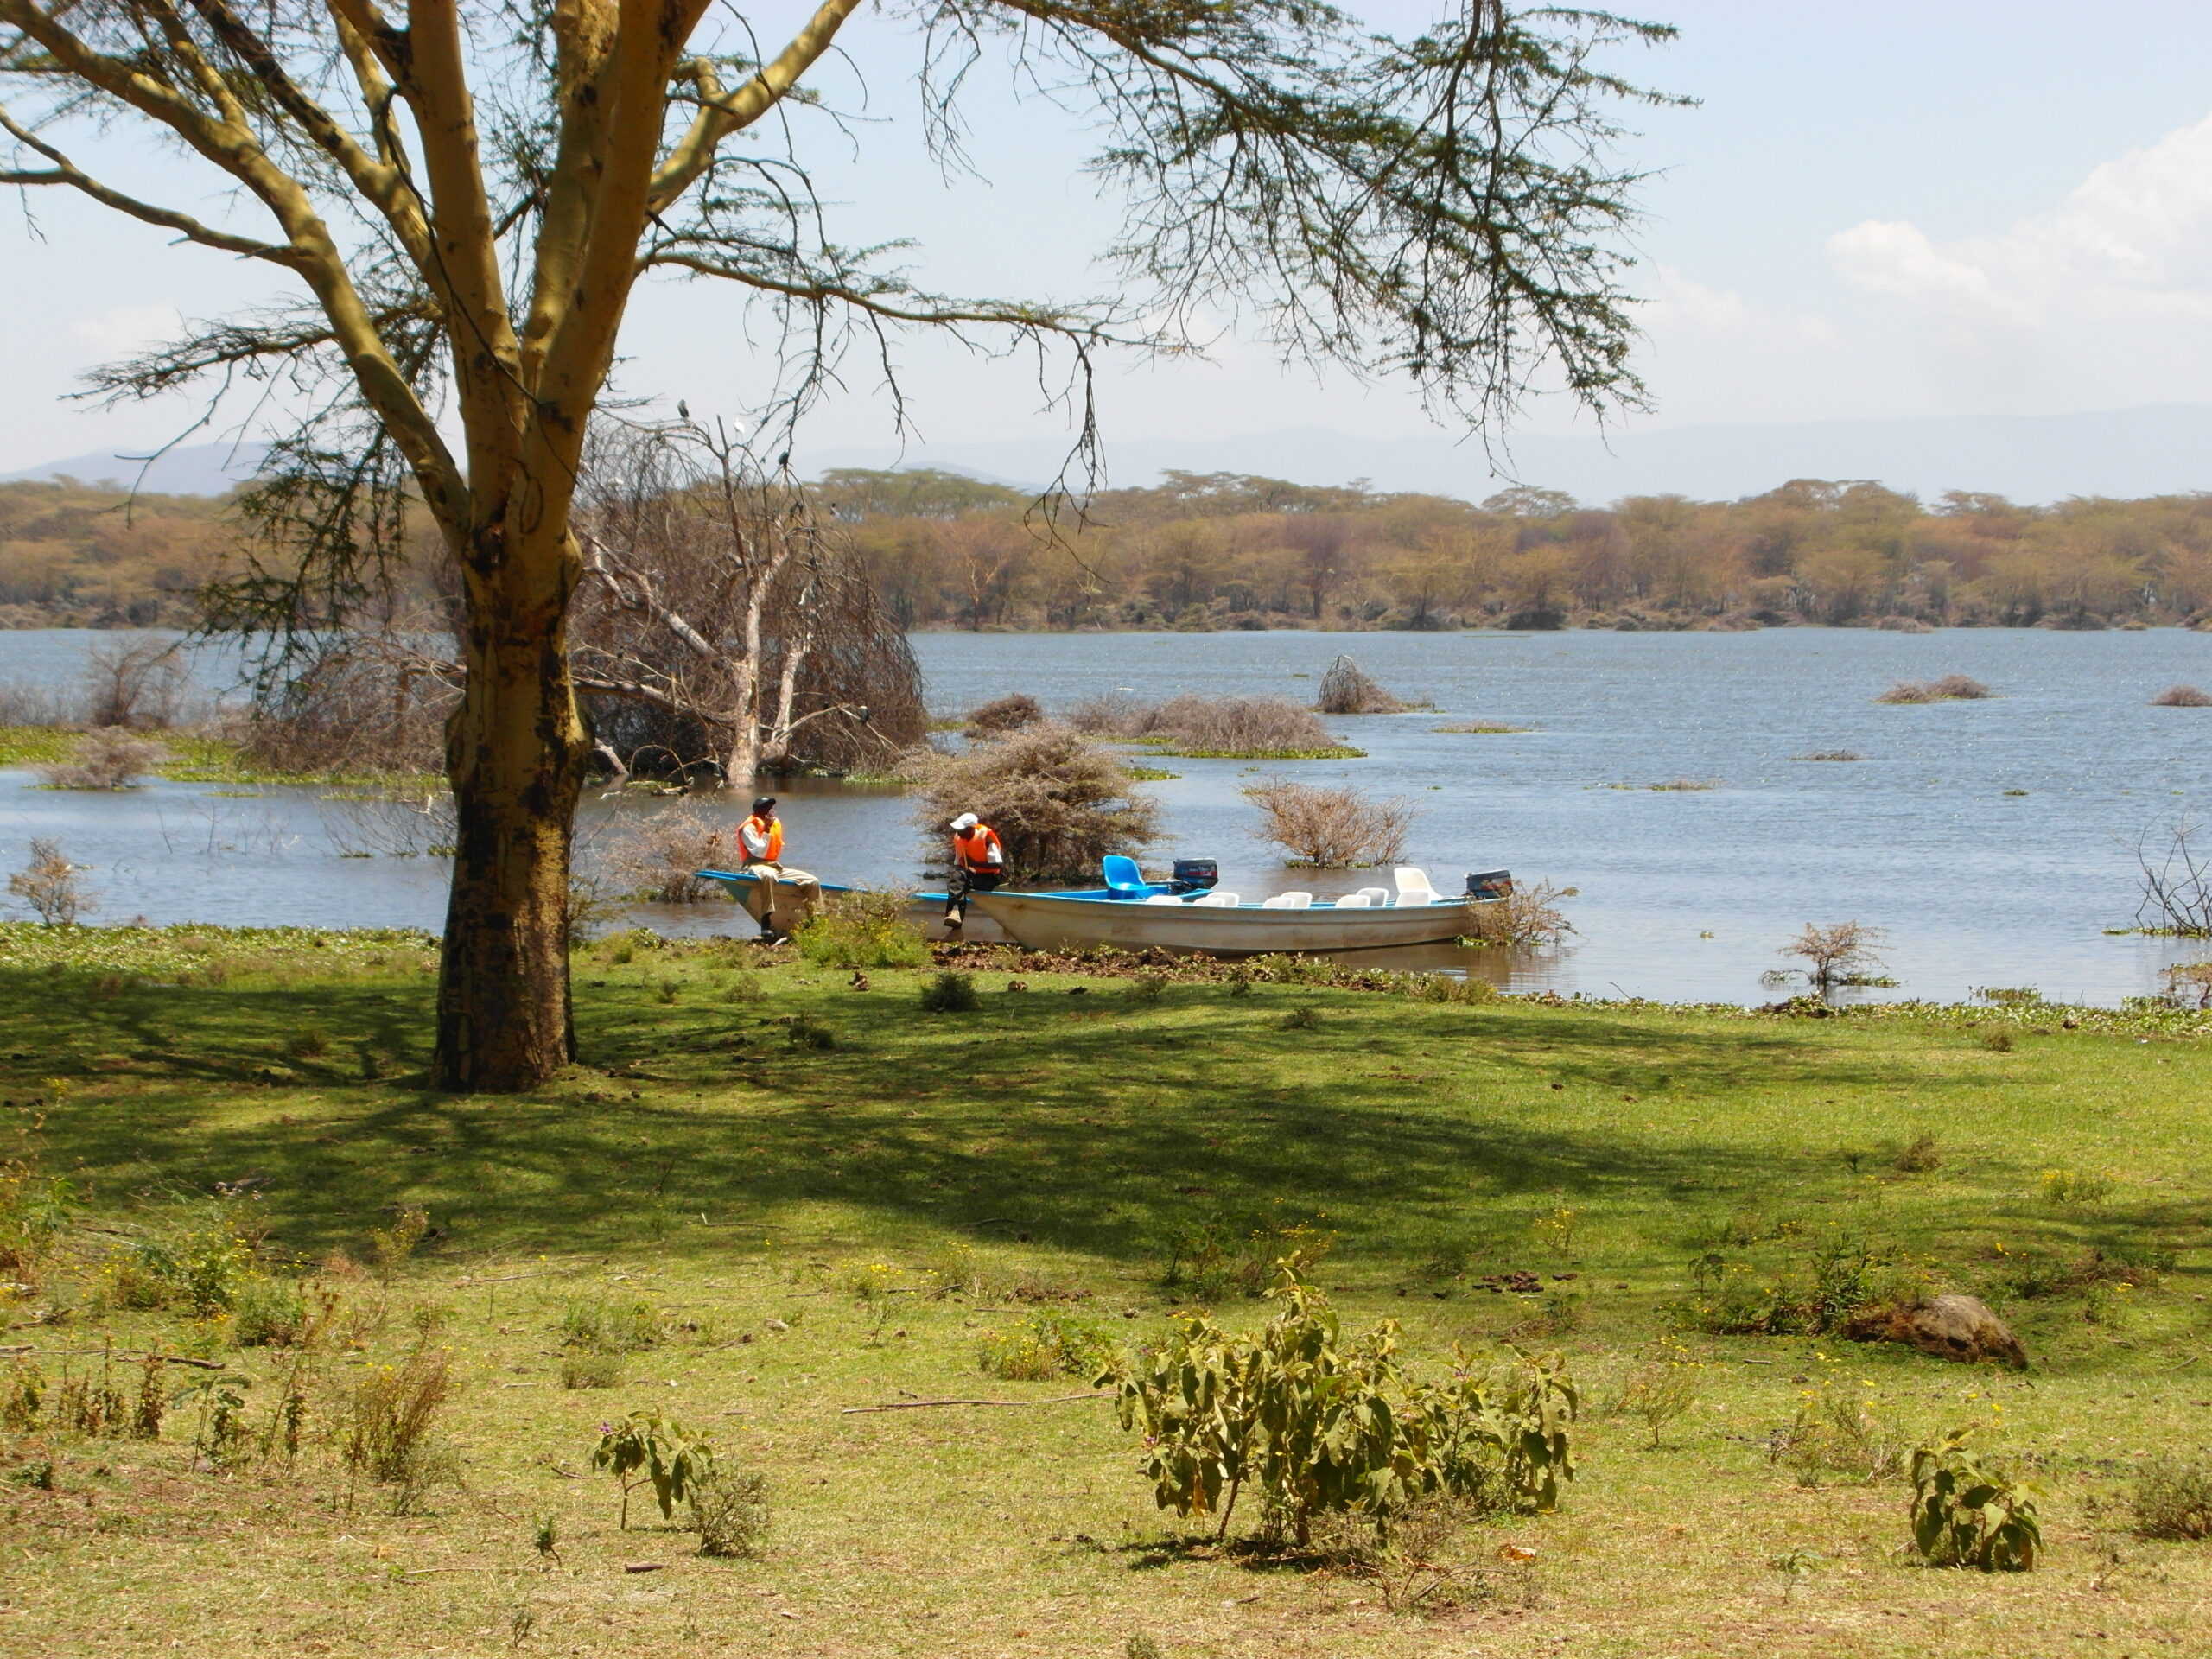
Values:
[(1221, 1256), (599, 1326), (35, 1213), (2173, 1499), (268, 1313), (202, 1262), (391, 1417), (389, 1248), (2072, 1186), (1319, 1424), (1815, 1292), (862, 930), (647, 1449), (1967, 1515), (1835, 1431), (951, 993), (1662, 1390), (1042, 1345), (591, 1370), (806, 1032)]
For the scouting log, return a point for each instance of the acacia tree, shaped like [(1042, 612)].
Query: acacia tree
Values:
[(466, 194)]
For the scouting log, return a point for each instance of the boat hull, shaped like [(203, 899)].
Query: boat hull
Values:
[(1048, 921)]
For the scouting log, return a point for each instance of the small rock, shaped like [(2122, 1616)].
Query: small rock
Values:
[(1950, 1327), (775, 1324)]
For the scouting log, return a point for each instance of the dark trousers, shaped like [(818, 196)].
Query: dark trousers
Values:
[(967, 882)]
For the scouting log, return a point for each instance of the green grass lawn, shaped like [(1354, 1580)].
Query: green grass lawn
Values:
[(819, 1229)]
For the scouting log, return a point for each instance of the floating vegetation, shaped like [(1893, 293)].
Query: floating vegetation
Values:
[(1674, 785), (1952, 687), (1830, 754), (1482, 728), (2183, 697)]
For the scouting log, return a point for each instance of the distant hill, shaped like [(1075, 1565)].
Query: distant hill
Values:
[(191, 469), (2032, 459)]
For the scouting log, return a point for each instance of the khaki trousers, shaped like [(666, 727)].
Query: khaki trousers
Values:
[(782, 898)]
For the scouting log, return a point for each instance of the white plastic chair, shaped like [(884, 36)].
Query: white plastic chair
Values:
[(1376, 896), (1287, 901), (1353, 901), (1413, 887), (1163, 898), (1215, 901)]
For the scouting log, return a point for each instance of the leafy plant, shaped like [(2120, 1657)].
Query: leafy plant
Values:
[(598, 1325), (862, 930), (806, 1032), (951, 993), (1662, 1390), (645, 1449), (1967, 1515), (591, 1371), (1045, 1344), (2071, 1187), (35, 1213), (1317, 1425), (391, 1247)]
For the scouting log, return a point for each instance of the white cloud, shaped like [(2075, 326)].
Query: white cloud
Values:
[(2106, 297), (124, 328)]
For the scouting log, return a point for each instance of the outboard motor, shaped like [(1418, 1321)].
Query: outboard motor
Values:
[(1489, 884), (1195, 874)]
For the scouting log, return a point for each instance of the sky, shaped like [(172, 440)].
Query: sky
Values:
[(1953, 206)]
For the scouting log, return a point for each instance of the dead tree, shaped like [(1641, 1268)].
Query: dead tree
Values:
[(717, 599)]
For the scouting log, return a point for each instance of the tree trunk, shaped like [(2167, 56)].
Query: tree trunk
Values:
[(516, 754)]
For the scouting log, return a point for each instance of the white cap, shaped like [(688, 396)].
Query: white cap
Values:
[(966, 821)]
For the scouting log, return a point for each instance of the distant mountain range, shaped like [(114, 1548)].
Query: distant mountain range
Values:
[(190, 469), (2031, 458)]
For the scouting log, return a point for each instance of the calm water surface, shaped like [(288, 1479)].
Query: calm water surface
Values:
[(1681, 895)]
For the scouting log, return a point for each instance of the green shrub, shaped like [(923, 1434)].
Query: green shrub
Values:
[(2173, 1499), (647, 1449), (1316, 1425), (200, 1264), (2070, 1187), (268, 1313), (950, 992), (591, 1371), (729, 1512), (600, 1326), (862, 930), (1967, 1515), (1046, 1344), (34, 1211), (805, 1031)]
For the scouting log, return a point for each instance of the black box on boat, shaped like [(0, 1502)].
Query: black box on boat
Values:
[(1489, 884), (1196, 874)]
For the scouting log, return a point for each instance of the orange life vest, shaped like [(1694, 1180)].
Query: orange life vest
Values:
[(768, 829), (978, 848)]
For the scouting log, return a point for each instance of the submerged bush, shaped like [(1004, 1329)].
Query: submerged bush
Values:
[(2183, 697), (659, 856), (1004, 714), (1060, 802), (1345, 690), (1330, 829), (1952, 687), (1525, 918), (862, 930), (112, 758), (1243, 729)]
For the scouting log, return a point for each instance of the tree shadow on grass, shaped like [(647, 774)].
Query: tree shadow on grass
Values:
[(1093, 1124)]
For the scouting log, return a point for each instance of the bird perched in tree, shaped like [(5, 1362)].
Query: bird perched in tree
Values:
[(682, 409)]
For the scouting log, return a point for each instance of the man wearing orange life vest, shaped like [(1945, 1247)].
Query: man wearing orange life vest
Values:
[(978, 865), (761, 839)]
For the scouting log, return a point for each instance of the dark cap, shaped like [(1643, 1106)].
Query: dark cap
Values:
[(766, 803)]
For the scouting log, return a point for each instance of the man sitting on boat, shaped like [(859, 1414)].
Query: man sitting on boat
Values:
[(761, 839), (978, 865)]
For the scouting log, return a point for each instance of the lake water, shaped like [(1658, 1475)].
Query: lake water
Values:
[(1681, 895)]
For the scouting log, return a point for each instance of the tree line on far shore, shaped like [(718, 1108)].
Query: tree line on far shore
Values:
[(1222, 550)]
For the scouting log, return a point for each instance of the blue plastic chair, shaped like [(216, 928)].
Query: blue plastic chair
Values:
[(1124, 880)]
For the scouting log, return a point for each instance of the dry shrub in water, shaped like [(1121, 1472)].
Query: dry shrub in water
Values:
[(1060, 802), (1838, 954), (1114, 714), (1004, 714), (49, 886), (366, 704), (25, 702), (1526, 917), (1239, 728), (2182, 696), (1345, 690), (658, 857), (139, 683), (112, 757), (1952, 687), (1830, 754), (1330, 829)]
